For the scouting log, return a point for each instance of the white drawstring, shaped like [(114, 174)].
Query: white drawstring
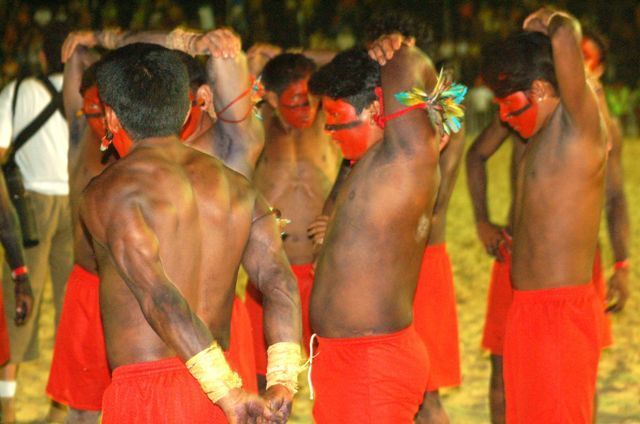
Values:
[(311, 356)]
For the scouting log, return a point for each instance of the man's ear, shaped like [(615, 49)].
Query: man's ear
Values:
[(271, 98), (540, 90), (204, 99), (370, 113), (444, 141), (111, 119)]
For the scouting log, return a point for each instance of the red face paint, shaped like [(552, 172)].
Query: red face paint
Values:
[(193, 121), (519, 112), (346, 128), (93, 111), (122, 142), (591, 54), (296, 106)]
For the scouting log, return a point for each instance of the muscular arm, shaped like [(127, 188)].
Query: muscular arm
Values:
[(266, 264), (617, 219), (135, 250)]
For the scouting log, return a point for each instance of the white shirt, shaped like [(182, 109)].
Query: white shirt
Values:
[(43, 159)]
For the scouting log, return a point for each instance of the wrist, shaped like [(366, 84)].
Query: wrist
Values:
[(19, 273), (210, 368), (283, 365), (623, 264), (108, 38), (182, 40)]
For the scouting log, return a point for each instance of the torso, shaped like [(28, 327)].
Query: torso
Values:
[(368, 268), (295, 174), (201, 262), (560, 185)]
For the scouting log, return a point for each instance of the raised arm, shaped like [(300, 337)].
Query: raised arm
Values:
[(482, 148), (617, 221), (267, 265), (575, 94)]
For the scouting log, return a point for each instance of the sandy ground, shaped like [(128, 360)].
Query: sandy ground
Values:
[(619, 375)]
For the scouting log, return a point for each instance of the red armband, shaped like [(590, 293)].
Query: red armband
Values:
[(621, 265), (17, 272)]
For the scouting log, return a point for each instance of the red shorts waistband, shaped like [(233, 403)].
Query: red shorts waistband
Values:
[(441, 247), (146, 368), (337, 341), (556, 293), (79, 273)]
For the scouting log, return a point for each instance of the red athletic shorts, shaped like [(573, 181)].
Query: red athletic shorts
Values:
[(435, 318), (498, 303), (158, 392), (601, 291), (254, 306), (241, 346), (376, 379), (5, 352), (551, 353), (79, 370)]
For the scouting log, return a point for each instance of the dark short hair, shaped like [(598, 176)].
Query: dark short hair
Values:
[(53, 37), (147, 86), (284, 69), (599, 39), (351, 76), (195, 69), (512, 64), (390, 21)]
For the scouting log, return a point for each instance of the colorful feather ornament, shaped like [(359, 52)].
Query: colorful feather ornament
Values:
[(257, 96), (443, 104)]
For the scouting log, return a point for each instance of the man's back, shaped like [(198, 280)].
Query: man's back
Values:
[(192, 204)]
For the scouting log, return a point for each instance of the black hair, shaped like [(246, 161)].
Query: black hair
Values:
[(389, 21), (88, 78), (351, 76), (284, 69), (195, 69), (512, 64), (599, 39), (54, 35), (147, 86)]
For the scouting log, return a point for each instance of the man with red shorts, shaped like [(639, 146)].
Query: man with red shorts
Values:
[(295, 174), (497, 241), (79, 373), (160, 220), (370, 364), (552, 336)]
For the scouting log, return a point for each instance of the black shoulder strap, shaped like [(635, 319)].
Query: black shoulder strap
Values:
[(38, 122)]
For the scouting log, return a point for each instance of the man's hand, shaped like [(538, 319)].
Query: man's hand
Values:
[(242, 407), (23, 298), (618, 291), (279, 400), (493, 239), (219, 43), (385, 46), (75, 39), (317, 229), (539, 20)]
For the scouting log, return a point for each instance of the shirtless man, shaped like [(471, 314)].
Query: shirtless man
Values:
[(153, 295), (80, 380), (539, 80), (361, 303), (295, 173), (496, 239)]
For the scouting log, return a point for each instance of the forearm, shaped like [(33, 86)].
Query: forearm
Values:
[(477, 184), (11, 239), (281, 303), (618, 225)]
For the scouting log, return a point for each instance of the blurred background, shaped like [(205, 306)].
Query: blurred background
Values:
[(457, 31)]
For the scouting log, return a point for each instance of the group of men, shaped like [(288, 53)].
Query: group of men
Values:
[(177, 178)]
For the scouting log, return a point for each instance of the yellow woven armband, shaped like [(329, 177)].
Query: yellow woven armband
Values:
[(213, 373), (283, 365), (182, 40)]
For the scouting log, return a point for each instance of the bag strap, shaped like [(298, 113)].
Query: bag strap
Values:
[(33, 127)]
